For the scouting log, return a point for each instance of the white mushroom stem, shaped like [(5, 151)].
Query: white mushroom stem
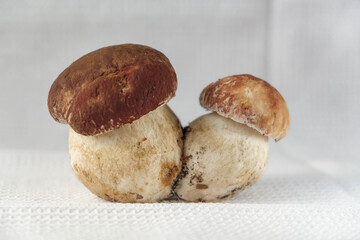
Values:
[(137, 162), (222, 157)]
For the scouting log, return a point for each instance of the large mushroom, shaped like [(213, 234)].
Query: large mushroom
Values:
[(226, 151), (125, 142)]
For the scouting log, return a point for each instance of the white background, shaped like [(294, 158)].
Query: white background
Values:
[(308, 50)]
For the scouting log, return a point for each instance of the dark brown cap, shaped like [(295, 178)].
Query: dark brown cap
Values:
[(110, 87), (251, 101)]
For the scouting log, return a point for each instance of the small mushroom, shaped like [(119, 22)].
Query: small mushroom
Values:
[(226, 151), (125, 143)]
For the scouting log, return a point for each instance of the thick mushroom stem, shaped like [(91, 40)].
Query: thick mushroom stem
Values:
[(137, 162), (222, 157)]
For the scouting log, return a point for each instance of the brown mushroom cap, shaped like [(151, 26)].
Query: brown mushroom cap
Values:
[(248, 100), (110, 87)]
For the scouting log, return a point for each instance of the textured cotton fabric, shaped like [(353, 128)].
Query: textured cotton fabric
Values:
[(40, 198)]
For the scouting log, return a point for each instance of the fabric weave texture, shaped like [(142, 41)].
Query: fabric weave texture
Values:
[(40, 198)]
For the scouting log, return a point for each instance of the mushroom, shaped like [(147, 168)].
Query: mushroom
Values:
[(125, 143), (226, 151)]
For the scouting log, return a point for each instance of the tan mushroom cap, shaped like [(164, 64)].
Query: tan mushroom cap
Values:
[(248, 100), (110, 87)]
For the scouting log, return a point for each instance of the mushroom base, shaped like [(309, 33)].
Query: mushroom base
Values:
[(222, 157), (137, 162)]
